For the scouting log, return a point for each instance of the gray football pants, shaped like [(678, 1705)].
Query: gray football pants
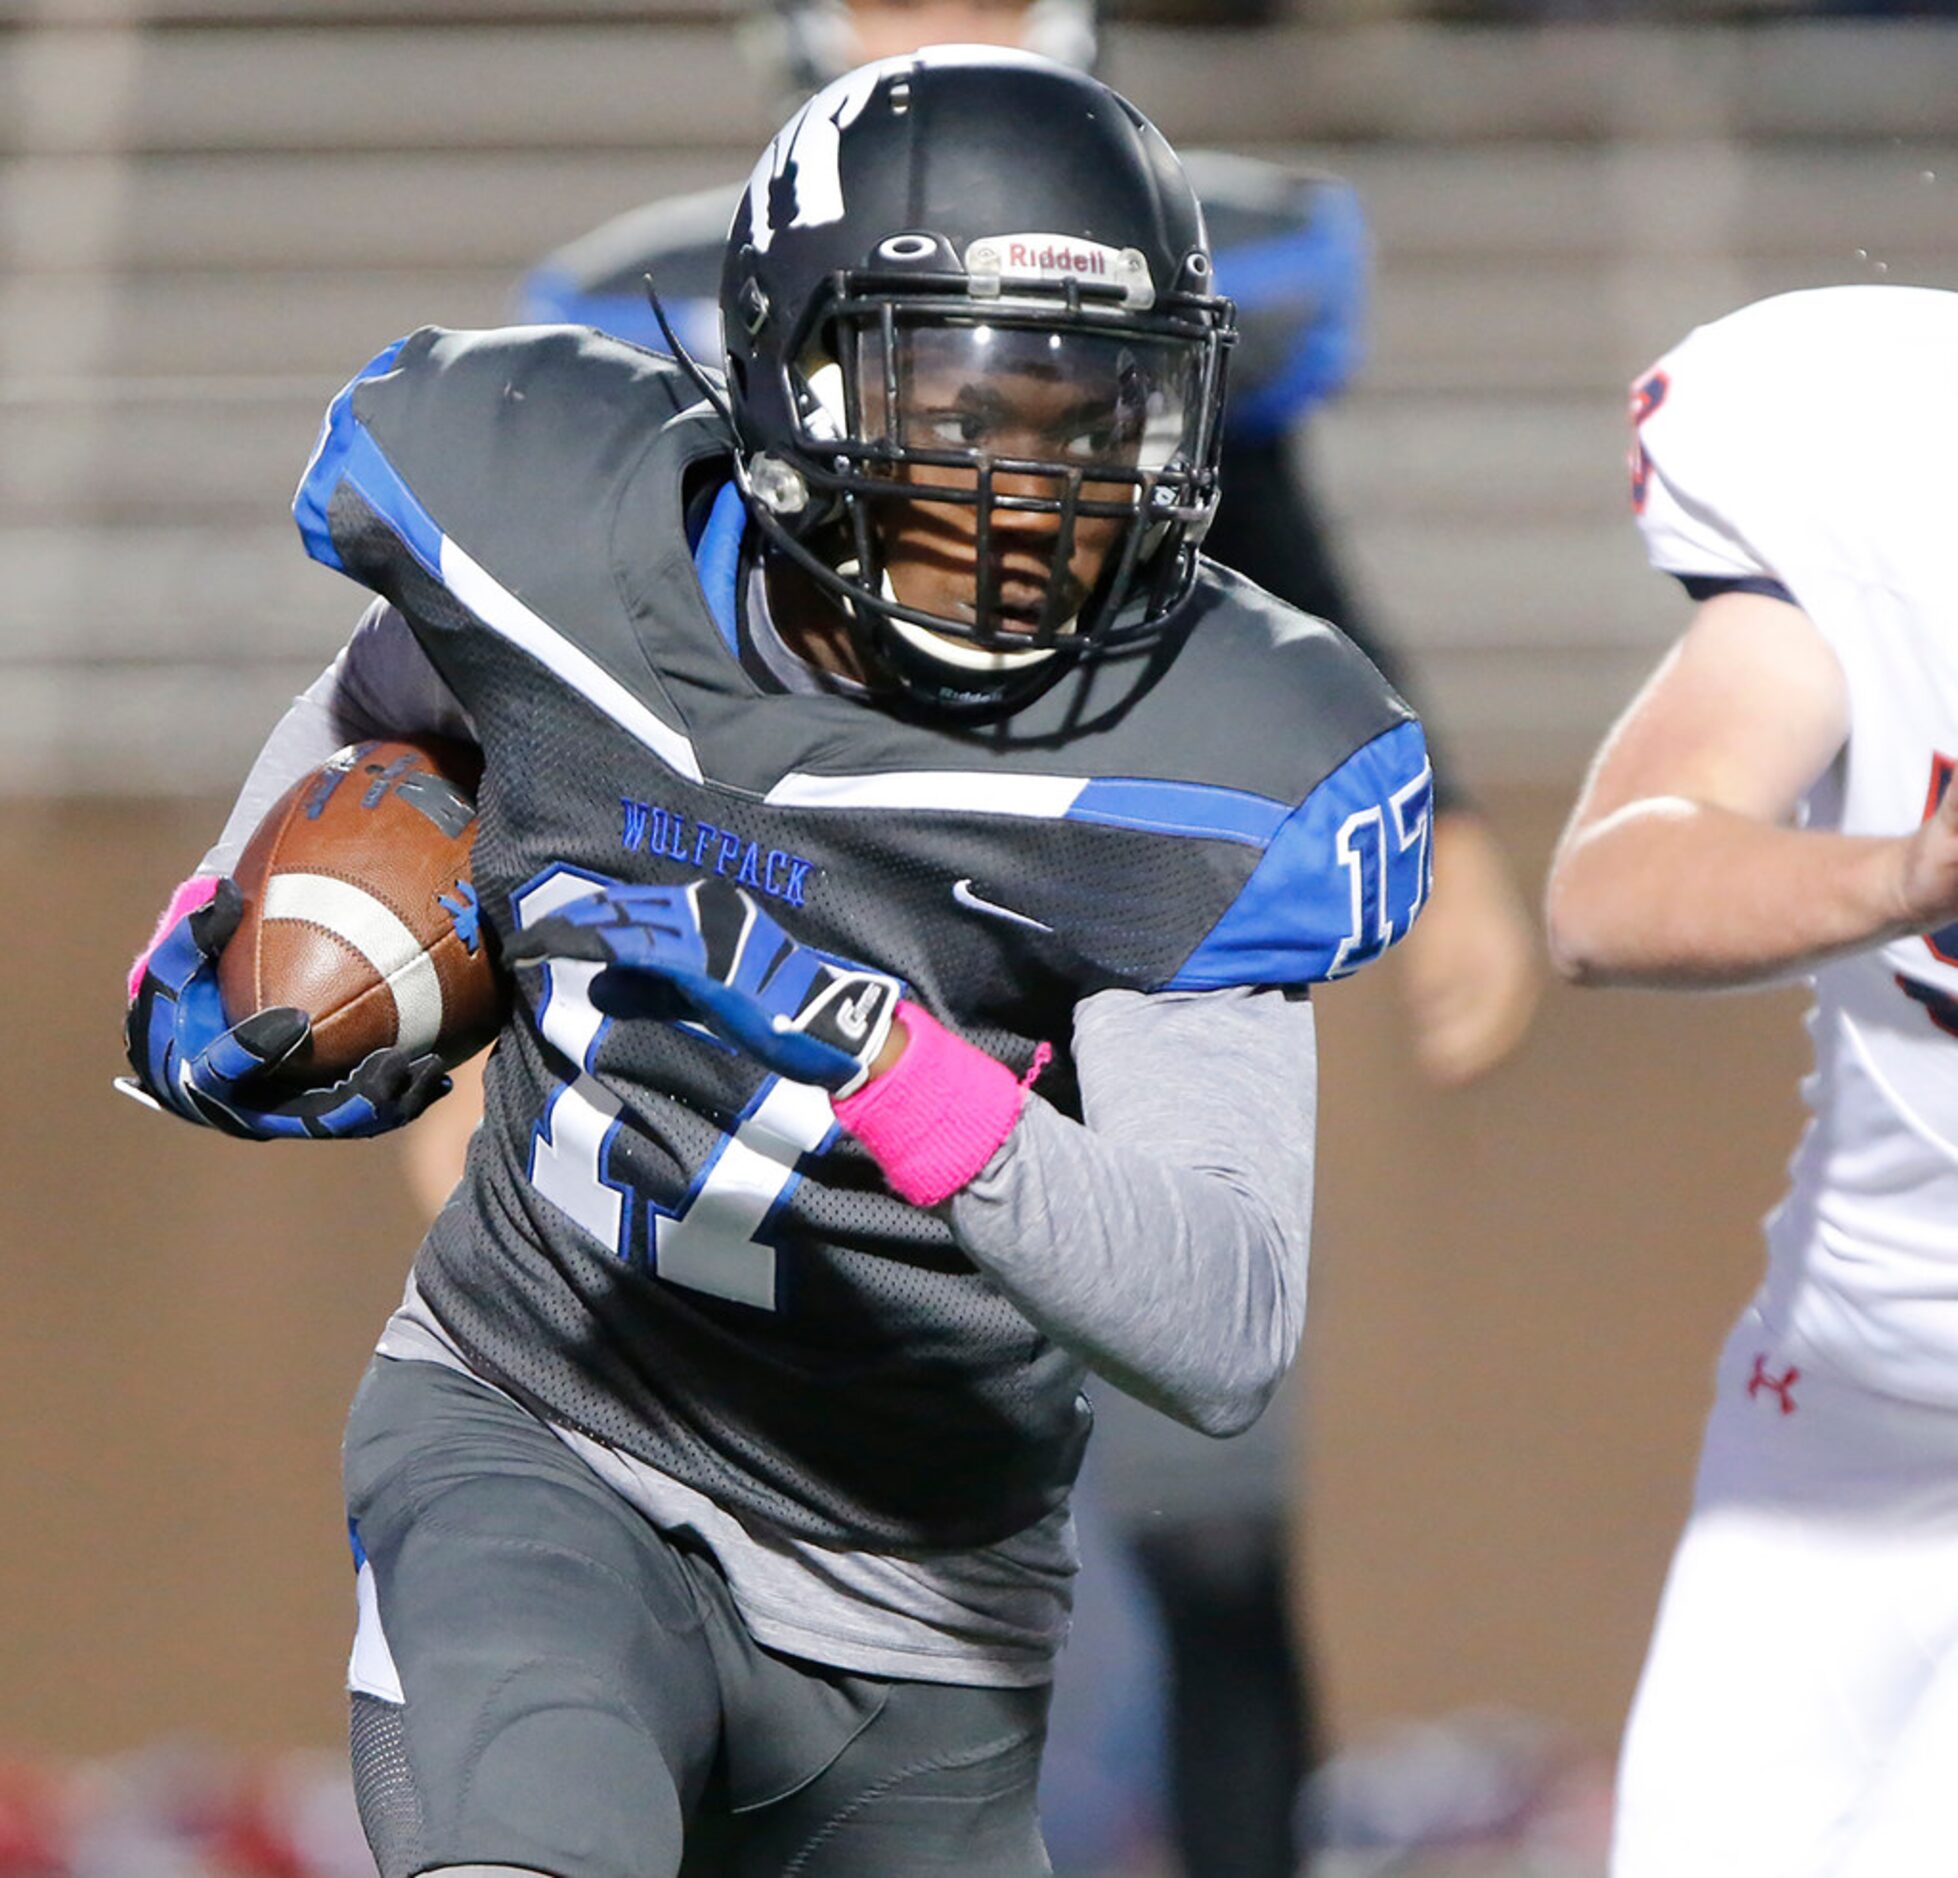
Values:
[(582, 1699)]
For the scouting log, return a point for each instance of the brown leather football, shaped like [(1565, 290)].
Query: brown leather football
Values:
[(359, 910)]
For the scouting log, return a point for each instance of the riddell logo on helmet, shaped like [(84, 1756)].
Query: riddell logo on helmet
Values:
[(1024, 257), (1049, 257)]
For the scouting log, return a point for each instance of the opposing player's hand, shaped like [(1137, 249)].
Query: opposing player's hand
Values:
[(1929, 868), (190, 1062), (710, 953), (1470, 972)]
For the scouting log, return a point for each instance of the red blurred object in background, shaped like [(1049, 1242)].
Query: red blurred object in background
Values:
[(33, 1824)]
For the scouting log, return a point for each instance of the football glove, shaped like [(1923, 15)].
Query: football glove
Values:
[(709, 953), (190, 1062)]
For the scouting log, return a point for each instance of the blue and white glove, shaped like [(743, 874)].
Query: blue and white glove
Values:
[(710, 953), (190, 1062)]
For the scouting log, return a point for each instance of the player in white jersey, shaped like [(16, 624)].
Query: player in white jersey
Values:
[(1776, 803)]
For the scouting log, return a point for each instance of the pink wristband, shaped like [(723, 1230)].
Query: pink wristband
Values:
[(936, 1118), (197, 891)]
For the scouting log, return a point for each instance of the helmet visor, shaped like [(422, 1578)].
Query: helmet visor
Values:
[(1115, 408), (1006, 472)]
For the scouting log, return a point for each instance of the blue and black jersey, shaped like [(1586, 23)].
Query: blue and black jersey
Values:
[(668, 1248)]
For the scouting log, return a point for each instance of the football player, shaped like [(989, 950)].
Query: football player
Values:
[(1776, 803), (1209, 1531), (914, 859)]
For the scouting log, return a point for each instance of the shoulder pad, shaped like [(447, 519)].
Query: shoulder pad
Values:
[(1302, 693), (1343, 877), (453, 403), (1342, 765), (475, 480)]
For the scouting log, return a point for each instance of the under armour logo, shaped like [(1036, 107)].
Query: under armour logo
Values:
[(1777, 1386)]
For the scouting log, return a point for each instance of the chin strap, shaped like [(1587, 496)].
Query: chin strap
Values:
[(934, 1120), (943, 649), (938, 685)]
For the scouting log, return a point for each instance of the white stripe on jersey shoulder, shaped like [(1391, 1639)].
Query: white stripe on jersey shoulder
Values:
[(976, 792), (379, 935), (503, 613)]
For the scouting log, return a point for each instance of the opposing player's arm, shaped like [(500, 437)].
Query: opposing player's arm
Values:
[(1164, 1238), (1681, 865)]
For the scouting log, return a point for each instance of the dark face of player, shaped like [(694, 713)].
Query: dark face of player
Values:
[(1032, 404)]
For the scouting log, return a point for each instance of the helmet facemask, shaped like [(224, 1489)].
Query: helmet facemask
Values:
[(987, 480)]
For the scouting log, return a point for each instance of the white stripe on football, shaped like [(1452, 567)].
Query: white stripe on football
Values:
[(377, 933)]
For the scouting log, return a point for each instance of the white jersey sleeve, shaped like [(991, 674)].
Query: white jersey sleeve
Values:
[(380, 685)]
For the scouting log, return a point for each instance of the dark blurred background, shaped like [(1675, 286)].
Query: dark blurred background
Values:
[(211, 211)]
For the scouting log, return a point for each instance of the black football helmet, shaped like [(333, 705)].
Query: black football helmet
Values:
[(815, 44), (975, 283)]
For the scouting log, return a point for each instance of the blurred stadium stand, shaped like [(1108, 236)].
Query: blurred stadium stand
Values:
[(213, 210)]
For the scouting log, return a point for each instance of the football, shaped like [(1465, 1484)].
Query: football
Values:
[(360, 911)]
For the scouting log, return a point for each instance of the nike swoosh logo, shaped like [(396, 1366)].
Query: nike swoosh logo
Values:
[(963, 894)]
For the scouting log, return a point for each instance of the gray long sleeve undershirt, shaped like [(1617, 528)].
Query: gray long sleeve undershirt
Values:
[(1163, 1239)]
